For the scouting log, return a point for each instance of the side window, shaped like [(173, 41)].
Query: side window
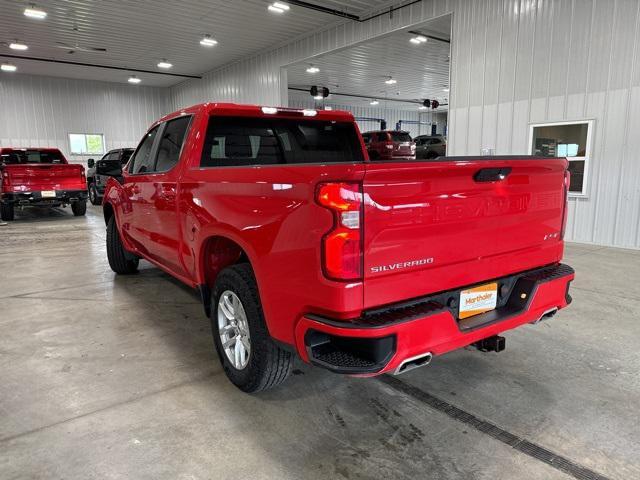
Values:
[(171, 143), (142, 161), (126, 155)]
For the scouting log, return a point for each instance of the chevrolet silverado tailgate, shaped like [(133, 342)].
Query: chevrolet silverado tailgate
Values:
[(38, 177), (431, 226)]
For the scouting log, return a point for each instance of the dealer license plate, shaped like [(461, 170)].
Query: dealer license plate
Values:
[(48, 194), (477, 300)]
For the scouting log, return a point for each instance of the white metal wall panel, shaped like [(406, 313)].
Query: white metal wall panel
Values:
[(43, 111), (513, 62), (392, 116), (558, 60)]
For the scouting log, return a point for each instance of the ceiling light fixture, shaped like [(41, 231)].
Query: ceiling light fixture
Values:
[(421, 39), (390, 81), (208, 41), (164, 64), (445, 89), (415, 41), (422, 107), (33, 12), (8, 67), (278, 7), (318, 97), (18, 46), (133, 79), (374, 102), (313, 69)]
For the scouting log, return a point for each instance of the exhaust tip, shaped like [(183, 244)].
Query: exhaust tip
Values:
[(546, 315), (414, 362)]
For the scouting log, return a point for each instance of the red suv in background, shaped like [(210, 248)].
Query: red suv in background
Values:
[(389, 145)]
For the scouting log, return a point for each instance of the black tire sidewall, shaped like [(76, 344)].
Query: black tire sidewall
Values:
[(93, 194), (7, 211), (79, 208), (116, 253), (247, 378)]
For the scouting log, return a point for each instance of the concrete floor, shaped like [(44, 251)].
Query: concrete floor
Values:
[(113, 377)]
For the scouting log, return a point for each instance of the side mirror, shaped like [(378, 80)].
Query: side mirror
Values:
[(91, 163)]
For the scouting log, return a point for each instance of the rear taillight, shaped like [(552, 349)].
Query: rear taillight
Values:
[(342, 246), (567, 183), (6, 181), (389, 146)]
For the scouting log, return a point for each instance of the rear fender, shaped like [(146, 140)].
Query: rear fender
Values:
[(218, 248)]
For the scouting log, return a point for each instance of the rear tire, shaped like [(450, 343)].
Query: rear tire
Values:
[(116, 254), (79, 208), (94, 198), (268, 365), (7, 211)]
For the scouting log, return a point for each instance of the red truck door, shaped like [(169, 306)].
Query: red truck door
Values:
[(152, 189)]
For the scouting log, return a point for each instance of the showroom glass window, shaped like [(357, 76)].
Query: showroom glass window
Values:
[(142, 161), (171, 142), (566, 139), (86, 143)]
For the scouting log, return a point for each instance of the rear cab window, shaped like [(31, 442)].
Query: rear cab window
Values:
[(400, 137), (237, 141), (31, 156)]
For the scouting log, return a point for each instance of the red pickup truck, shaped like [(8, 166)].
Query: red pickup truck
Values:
[(298, 244), (40, 177)]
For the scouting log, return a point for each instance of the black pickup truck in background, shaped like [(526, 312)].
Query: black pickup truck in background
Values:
[(99, 172)]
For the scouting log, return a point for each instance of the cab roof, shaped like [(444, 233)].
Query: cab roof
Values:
[(258, 111)]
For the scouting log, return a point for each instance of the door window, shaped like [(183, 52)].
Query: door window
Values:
[(142, 161), (171, 142)]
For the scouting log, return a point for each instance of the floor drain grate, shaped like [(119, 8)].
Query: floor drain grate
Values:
[(518, 443)]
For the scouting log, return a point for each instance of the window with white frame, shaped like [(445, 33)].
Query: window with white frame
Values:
[(565, 139), (86, 143)]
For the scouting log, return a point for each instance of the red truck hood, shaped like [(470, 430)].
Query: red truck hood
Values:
[(431, 226), (34, 177)]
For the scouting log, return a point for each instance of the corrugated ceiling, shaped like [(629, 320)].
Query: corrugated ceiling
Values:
[(421, 71), (138, 34)]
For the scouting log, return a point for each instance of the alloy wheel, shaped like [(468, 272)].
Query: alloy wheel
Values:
[(233, 329)]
